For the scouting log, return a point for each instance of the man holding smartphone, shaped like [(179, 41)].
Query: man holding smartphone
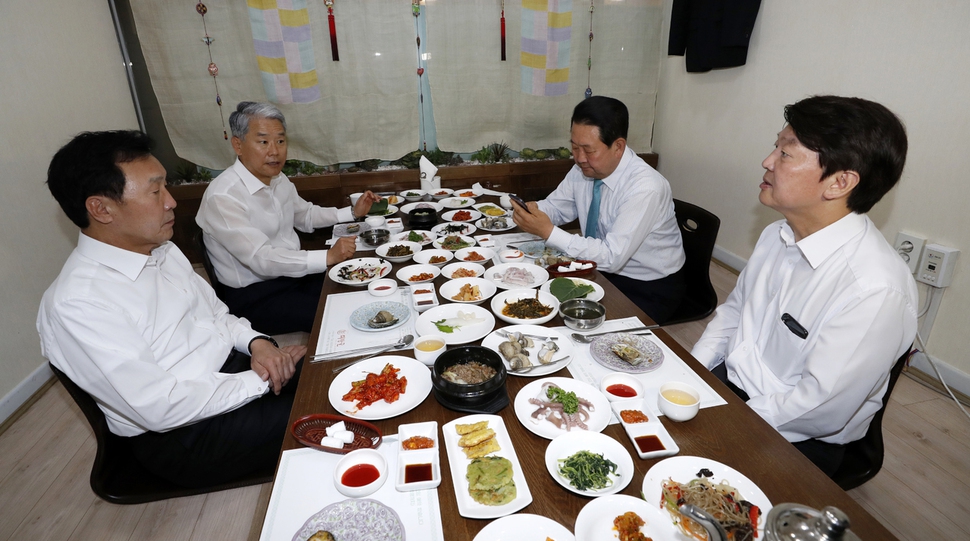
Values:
[(625, 209)]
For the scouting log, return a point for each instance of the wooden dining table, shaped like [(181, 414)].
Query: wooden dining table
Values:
[(731, 434)]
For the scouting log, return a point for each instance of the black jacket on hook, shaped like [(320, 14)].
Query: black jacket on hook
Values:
[(713, 33)]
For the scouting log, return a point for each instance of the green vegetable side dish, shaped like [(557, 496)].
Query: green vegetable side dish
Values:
[(586, 470), (565, 289), (568, 399), (379, 208), (445, 328), (415, 237)]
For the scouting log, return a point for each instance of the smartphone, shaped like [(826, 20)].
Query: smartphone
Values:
[(520, 202)]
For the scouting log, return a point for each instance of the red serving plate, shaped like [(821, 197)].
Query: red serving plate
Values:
[(310, 429), (555, 273)]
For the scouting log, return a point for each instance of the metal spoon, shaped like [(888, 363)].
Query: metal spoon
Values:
[(405, 342), (588, 338)]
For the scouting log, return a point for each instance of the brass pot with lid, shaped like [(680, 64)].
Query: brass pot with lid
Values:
[(786, 522)]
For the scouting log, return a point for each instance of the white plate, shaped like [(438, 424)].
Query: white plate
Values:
[(597, 294), (539, 275), (652, 427), (355, 520), (595, 520), (463, 192), (424, 257), (405, 273), (599, 416), (684, 468), (513, 295), (428, 236), (467, 507), (493, 340), (341, 230), (457, 202), (406, 209), (480, 206), (569, 444), (601, 353), (450, 269), (412, 195), (452, 228), (486, 253), (450, 215), (524, 527), (437, 194), (469, 242), (418, 388), (381, 250), (383, 267), (463, 335), (450, 289), (359, 317), (509, 224), (391, 210)]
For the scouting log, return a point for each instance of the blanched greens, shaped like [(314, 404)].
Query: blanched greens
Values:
[(586, 470)]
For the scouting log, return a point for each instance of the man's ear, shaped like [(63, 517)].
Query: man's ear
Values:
[(841, 184), (236, 145), (99, 208), (619, 144)]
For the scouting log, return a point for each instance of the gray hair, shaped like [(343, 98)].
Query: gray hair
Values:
[(248, 110)]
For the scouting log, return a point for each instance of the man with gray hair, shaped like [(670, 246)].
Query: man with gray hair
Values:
[(247, 216)]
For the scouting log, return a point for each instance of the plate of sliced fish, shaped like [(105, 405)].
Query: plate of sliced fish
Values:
[(627, 353), (379, 316), (517, 275), (522, 346)]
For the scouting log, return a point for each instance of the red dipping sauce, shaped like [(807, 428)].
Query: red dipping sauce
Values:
[(649, 444), (382, 288), (621, 390), (360, 475), (415, 473)]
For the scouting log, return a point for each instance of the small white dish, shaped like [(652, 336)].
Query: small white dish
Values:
[(424, 257), (457, 202), (413, 195), (475, 254), (490, 209), (382, 287), (468, 192), (678, 401), (375, 221), (406, 209), (449, 270), (454, 228), (468, 216), (511, 256), (450, 289), (407, 273), (571, 443), (650, 438), (423, 296), (428, 347), (360, 457), (499, 273), (442, 193), (464, 242), (631, 387), (427, 237), (485, 241), (512, 295), (422, 464), (394, 225), (427, 429), (383, 249)]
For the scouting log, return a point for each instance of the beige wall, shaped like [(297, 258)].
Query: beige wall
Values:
[(62, 73), (714, 129)]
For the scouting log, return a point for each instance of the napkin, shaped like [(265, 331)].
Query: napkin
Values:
[(429, 182), (479, 188)]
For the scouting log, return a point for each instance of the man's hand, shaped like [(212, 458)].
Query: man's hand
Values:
[(537, 223), (362, 207), (342, 250), (274, 365)]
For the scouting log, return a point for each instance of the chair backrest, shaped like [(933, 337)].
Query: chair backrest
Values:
[(698, 228), (863, 457), (207, 265)]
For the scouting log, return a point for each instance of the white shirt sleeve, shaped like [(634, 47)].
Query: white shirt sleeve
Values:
[(712, 346)]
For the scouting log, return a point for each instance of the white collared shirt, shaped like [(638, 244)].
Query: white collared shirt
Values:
[(249, 228), (636, 214), (856, 298), (145, 336)]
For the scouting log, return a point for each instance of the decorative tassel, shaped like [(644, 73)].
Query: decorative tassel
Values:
[(333, 30), (503, 30)]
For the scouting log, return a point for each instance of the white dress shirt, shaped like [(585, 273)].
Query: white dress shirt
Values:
[(248, 228), (145, 336), (642, 239), (856, 298)]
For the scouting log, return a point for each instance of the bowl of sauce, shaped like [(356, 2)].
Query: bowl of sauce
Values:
[(678, 401), (360, 473), (621, 386), (428, 347), (382, 287)]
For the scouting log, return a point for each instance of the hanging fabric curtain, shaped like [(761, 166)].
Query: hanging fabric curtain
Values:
[(362, 107)]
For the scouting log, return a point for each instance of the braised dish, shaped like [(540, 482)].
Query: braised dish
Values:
[(469, 397)]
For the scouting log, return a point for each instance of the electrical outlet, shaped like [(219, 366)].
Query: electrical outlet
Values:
[(910, 248), (937, 264)]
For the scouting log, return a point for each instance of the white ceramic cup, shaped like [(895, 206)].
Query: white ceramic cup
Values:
[(435, 344), (354, 197), (375, 221), (505, 201), (678, 401)]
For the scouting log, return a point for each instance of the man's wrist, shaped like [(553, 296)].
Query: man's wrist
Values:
[(262, 337)]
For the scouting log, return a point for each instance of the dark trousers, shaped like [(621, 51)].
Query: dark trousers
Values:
[(223, 448), (277, 306), (658, 298), (827, 456)]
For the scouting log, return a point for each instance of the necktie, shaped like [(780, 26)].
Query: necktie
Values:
[(594, 211)]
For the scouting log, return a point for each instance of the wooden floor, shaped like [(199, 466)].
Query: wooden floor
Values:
[(922, 492)]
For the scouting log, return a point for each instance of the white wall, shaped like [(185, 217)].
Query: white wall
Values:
[(62, 74), (714, 129)]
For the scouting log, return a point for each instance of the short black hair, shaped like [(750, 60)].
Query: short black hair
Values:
[(608, 114), (853, 134), (88, 165)]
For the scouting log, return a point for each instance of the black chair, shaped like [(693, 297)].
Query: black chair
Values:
[(217, 286), (863, 457), (698, 228), (117, 477)]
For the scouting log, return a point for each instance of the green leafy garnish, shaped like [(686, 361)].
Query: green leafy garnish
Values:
[(415, 237), (445, 328), (586, 470), (568, 399), (379, 208), (565, 289)]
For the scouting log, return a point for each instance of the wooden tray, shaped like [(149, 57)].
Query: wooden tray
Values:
[(310, 429)]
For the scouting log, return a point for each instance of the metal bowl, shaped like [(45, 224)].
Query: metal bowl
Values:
[(582, 314), (375, 237)]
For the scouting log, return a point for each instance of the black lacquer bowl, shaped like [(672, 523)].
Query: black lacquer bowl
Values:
[(487, 397)]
